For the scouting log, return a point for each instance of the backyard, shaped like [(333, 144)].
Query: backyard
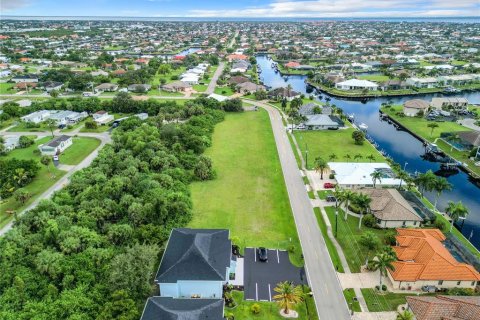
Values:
[(81, 147), (248, 196), (339, 142)]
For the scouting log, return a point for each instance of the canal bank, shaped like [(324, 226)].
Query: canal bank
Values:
[(400, 145)]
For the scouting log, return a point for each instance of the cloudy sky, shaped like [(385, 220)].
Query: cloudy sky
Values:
[(243, 8)]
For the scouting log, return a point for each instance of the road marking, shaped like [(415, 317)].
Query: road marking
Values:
[(255, 254), (269, 292), (256, 291), (278, 258)]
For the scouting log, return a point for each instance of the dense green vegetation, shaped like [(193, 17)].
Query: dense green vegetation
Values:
[(248, 196), (90, 252)]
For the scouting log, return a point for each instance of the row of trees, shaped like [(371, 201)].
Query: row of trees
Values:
[(90, 251)]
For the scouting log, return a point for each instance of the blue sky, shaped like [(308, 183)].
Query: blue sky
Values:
[(243, 8)]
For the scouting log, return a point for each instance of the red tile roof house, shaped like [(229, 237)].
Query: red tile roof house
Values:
[(423, 260), (291, 64), (445, 307)]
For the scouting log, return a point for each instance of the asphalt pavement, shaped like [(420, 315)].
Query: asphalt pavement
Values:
[(321, 274)]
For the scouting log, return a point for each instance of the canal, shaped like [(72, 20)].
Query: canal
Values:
[(402, 147)]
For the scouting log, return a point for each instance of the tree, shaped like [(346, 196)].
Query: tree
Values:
[(432, 127), (382, 262), (371, 158), (439, 186), (24, 142), (425, 181), (54, 94), (358, 137), (456, 211), (51, 124), (405, 315), (348, 197), (45, 160), (320, 166), (376, 176), (369, 241), (332, 157), (90, 124), (284, 104), (119, 306), (363, 203), (22, 195), (357, 157), (403, 176), (288, 295)]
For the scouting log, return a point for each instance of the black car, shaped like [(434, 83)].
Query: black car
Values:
[(331, 198), (262, 254)]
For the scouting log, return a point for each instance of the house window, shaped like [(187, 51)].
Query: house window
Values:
[(404, 224), (414, 223), (458, 283), (440, 282), (473, 283)]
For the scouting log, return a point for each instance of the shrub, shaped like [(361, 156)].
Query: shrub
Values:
[(369, 220), (291, 248), (439, 224), (377, 287), (461, 292), (331, 176), (384, 287), (24, 142), (390, 239), (255, 308), (90, 124)]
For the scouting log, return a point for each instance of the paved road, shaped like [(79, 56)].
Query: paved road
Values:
[(321, 274), (104, 138), (216, 75)]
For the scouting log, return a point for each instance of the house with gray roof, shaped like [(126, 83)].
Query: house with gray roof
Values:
[(56, 146), (310, 109), (164, 308), (322, 122)]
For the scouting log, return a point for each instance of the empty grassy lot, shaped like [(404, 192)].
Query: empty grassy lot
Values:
[(248, 195), (323, 143), (81, 147), (383, 302)]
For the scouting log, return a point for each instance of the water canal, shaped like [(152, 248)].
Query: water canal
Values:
[(400, 145)]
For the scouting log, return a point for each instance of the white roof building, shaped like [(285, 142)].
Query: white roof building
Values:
[(353, 84), (218, 97), (357, 175)]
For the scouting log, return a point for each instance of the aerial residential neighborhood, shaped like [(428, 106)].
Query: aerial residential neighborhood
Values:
[(276, 160)]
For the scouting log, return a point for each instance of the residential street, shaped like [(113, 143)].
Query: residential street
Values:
[(321, 274), (104, 138), (216, 75)]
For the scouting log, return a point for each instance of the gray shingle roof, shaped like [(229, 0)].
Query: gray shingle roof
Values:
[(166, 308), (195, 254)]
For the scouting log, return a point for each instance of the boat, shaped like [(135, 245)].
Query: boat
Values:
[(363, 126)]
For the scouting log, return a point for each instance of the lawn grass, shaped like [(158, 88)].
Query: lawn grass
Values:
[(323, 143), (268, 310), (155, 92), (81, 147), (248, 196), (23, 127), (330, 246), (200, 87), (40, 183), (383, 302), (374, 77), (349, 296), (348, 236), (6, 88), (322, 194), (99, 129), (224, 91)]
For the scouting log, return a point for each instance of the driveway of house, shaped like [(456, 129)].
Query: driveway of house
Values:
[(262, 277), (360, 280)]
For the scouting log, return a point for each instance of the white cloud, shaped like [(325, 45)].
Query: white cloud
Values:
[(9, 5), (349, 8)]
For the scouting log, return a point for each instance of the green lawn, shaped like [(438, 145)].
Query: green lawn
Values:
[(323, 143), (248, 195), (99, 129), (383, 302), (324, 193), (330, 246), (6, 88), (349, 295), (168, 77), (81, 147), (23, 127), (268, 310), (224, 91), (374, 77), (200, 87), (155, 92), (40, 184), (348, 236)]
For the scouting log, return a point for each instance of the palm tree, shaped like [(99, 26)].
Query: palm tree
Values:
[(456, 211), (288, 295), (363, 202), (425, 181), (348, 157), (20, 176), (439, 186), (381, 263), (405, 315), (51, 124), (332, 157), (348, 197), (376, 175), (371, 157), (432, 127), (403, 176), (320, 166), (357, 157)]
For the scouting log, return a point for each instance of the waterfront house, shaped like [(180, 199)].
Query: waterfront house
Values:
[(56, 146), (413, 107), (424, 261), (444, 307), (247, 87), (356, 84), (455, 103), (358, 175), (282, 93), (390, 209), (310, 109), (393, 85), (459, 79), (469, 139), (422, 82), (322, 122)]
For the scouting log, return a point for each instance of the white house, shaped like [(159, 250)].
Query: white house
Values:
[(102, 117), (358, 174), (56, 146), (422, 82), (11, 142), (355, 84), (457, 103), (412, 107), (218, 97), (37, 116), (197, 263)]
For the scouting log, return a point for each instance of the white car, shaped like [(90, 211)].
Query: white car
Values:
[(55, 158)]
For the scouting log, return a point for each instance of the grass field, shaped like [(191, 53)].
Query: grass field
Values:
[(41, 183), (349, 295), (323, 143), (81, 147), (200, 87), (348, 236), (23, 127), (248, 195), (225, 91), (374, 77), (268, 310), (330, 246), (383, 302), (6, 88)]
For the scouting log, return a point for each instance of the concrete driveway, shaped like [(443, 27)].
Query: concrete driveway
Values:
[(262, 277)]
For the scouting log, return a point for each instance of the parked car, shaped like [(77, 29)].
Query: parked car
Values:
[(429, 289), (331, 198), (55, 158), (329, 185), (262, 254)]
